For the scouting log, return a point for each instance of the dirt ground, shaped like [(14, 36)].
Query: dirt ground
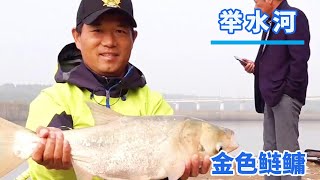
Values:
[(313, 173)]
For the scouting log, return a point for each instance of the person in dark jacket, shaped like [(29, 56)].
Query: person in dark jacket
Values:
[(281, 80)]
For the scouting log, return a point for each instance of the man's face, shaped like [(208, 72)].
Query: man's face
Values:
[(106, 44), (264, 5)]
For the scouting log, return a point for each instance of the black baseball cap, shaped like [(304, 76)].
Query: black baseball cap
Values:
[(90, 10)]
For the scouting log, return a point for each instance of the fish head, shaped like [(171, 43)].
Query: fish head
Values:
[(228, 141), (214, 139)]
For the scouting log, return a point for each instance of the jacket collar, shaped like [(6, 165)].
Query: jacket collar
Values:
[(283, 5)]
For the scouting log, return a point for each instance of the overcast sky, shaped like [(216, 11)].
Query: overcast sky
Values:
[(172, 49)]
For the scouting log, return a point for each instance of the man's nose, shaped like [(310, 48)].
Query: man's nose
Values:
[(109, 40)]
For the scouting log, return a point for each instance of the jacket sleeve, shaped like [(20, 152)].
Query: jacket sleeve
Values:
[(299, 54), (47, 112), (157, 105)]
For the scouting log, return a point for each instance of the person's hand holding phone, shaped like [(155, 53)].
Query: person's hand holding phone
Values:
[(247, 64), (242, 62)]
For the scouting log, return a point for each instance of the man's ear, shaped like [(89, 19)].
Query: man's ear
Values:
[(134, 35), (76, 36)]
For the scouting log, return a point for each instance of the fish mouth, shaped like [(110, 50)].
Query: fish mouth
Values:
[(231, 148), (234, 147), (233, 144)]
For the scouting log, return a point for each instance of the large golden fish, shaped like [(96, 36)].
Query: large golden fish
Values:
[(124, 147)]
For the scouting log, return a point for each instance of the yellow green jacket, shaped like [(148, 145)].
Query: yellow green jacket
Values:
[(63, 105)]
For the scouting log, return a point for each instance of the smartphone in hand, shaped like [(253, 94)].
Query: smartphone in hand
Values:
[(242, 62)]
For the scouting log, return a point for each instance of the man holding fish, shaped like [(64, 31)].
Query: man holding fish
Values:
[(115, 127), (95, 68)]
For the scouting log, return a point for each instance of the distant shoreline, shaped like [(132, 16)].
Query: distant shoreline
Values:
[(226, 116)]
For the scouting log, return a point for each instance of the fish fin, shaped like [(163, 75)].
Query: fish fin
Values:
[(176, 170), (9, 161), (101, 114), (81, 174)]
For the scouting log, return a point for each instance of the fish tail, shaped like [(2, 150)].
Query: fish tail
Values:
[(8, 159)]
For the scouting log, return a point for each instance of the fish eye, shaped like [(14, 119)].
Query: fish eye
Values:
[(219, 147)]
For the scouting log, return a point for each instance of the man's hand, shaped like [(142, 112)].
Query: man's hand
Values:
[(249, 67), (196, 167), (53, 151)]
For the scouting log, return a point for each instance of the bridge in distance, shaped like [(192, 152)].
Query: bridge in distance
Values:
[(225, 104)]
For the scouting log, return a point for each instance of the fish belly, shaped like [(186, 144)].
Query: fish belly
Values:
[(127, 149)]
